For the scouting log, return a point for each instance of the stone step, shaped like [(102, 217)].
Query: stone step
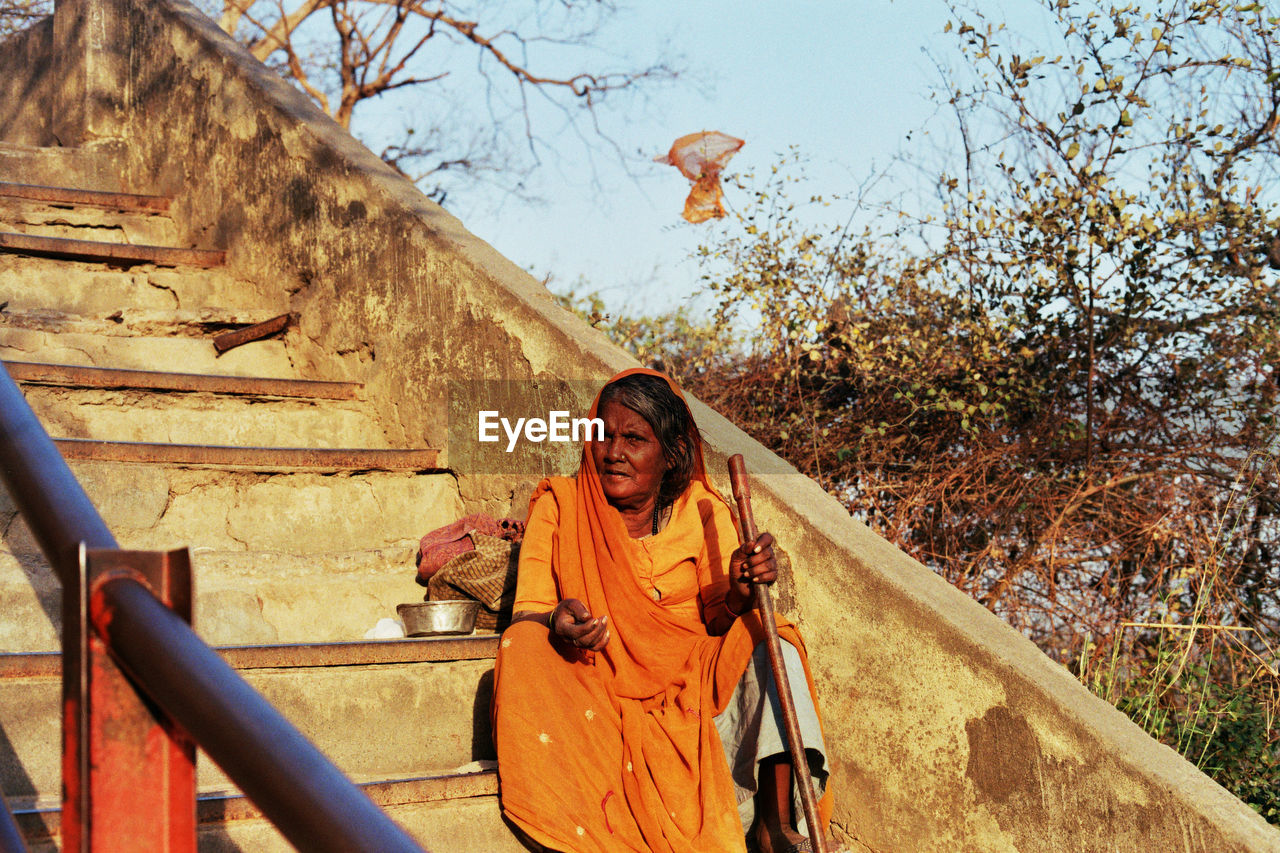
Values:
[(72, 197), (480, 646), (116, 254), (84, 222), (303, 512), (91, 289), (258, 459), (266, 358), (188, 418), (380, 710), (204, 323), (454, 813), (279, 597), (241, 596), (75, 376), (266, 547), (94, 167), (251, 656)]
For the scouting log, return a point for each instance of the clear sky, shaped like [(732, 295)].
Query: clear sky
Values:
[(843, 80)]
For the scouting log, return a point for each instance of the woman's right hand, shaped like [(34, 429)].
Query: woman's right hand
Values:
[(573, 623)]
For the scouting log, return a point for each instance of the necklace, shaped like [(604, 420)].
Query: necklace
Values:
[(655, 519)]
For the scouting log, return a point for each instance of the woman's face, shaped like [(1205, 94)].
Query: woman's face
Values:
[(629, 460)]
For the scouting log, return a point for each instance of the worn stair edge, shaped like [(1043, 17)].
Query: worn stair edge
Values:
[(299, 655), (79, 376), (38, 822), (124, 202), (256, 458), (201, 322), (366, 653), (120, 253)]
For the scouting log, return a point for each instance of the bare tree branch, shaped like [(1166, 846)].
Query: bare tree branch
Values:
[(368, 48), (17, 15)]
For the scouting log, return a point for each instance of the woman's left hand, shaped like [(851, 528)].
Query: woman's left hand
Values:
[(752, 563)]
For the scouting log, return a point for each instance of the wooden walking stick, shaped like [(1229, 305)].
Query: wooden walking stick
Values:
[(799, 762)]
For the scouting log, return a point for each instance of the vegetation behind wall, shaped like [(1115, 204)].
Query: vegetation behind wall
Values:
[(1057, 386)]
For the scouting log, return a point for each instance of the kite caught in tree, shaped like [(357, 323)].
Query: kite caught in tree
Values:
[(700, 157)]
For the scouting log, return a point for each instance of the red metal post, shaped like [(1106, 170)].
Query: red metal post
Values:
[(128, 772)]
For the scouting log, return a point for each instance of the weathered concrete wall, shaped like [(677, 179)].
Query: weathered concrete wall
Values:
[(91, 168), (950, 731), (26, 86)]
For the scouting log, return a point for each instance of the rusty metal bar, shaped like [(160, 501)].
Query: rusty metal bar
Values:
[(83, 376), (307, 798), (396, 792), (113, 744), (221, 808), (276, 655), (129, 774), (256, 332), (10, 836), (257, 458), (118, 253), (30, 665), (128, 202), (362, 653)]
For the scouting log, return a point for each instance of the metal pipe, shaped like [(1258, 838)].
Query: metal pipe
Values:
[(799, 761), (299, 790), (49, 497), (11, 840)]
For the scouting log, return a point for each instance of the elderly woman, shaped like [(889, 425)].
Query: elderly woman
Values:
[(633, 707)]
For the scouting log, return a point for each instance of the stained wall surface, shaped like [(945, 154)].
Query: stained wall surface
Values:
[(26, 93)]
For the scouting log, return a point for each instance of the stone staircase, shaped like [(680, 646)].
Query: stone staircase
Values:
[(301, 518)]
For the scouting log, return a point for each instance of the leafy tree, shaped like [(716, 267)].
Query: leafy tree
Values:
[(1118, 231), (677, 342), (1051, 388), (1059, 387)]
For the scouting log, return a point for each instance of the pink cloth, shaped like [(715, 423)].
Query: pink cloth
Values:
[(443, 544)]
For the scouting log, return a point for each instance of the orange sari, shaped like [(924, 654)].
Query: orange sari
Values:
[(617, 750)]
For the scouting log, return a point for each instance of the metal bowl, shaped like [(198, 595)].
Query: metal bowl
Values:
[(430, 618)]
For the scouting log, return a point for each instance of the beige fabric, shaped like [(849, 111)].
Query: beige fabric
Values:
[(752, 729)]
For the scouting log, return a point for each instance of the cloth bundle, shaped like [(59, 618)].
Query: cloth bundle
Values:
[(486, 574), (473, 558)]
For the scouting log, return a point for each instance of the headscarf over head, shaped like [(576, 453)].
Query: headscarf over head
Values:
[(647, 647)]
